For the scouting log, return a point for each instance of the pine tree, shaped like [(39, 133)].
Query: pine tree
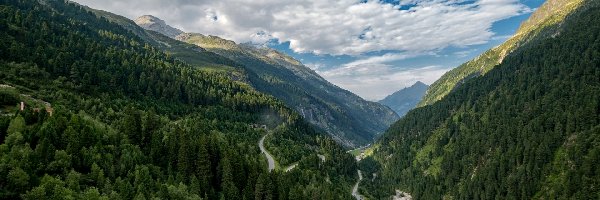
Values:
[(230, 191)]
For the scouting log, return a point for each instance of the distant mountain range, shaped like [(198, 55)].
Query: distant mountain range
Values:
[(349, 119), (405, 99)]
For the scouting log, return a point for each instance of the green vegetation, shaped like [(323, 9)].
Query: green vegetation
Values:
[(355, 152), (132, 122), (541, 24), (9, 96), (527, 129)]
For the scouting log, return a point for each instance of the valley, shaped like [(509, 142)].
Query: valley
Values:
[(132, 122), (99, 105)]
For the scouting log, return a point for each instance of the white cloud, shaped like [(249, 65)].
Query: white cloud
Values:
[(376, 77), (385, 58), (465, 53), (315, 66), (377, 80), (331, 27)]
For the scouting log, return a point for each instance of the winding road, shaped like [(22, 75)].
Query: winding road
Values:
[(261, 145), (355, 193)]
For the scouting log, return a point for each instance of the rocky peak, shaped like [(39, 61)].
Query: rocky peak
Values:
[(153, 23)]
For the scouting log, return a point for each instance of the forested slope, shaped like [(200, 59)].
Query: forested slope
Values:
[(543, 23), (126, 120), (527, 129)]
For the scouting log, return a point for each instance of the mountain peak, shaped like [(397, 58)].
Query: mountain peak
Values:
[(405, 99), (149, 18), (153, 23), (419, 83)]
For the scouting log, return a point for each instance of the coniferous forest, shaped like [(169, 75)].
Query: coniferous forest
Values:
[(528, 129), (108, 116), (95, 107)]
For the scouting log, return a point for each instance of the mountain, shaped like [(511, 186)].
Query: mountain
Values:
[(529, 128), (89, 109), (155, 24), (188, 53), (405, 99), (351, 120), (548, 15)]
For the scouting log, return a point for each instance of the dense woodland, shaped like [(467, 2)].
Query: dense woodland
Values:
[(528, 129), (130, 122), (109, 115)]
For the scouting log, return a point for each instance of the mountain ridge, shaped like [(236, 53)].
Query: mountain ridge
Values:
[(331, 108), (527, 129), (552, 12), (405, 99)]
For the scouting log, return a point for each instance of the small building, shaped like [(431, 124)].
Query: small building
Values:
[(257, 126)]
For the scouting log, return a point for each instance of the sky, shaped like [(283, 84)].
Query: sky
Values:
[(369, 47)]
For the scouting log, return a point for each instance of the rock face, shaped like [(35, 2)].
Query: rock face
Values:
[(402, 196), (406, 99), (152, 23)]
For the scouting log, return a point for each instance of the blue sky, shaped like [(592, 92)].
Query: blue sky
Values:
[(369, 47), (445, 59)]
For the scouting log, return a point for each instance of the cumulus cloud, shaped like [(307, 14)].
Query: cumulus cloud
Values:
[(342, 27)]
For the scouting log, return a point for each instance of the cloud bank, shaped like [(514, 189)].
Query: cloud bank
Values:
[(343, 27)]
